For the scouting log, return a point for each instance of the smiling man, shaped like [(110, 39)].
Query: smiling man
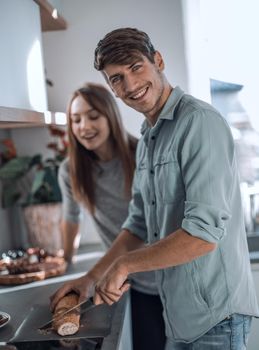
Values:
[(185, 204)]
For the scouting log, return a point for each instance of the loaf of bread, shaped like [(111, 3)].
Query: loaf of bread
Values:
[(69, 323)]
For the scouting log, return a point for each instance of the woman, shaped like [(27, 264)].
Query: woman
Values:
[(97, 176)]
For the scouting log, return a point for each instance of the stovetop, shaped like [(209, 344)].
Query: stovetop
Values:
[(63, 344)]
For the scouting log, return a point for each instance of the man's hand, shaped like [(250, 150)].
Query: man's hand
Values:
[(83, 286), (112, 285)]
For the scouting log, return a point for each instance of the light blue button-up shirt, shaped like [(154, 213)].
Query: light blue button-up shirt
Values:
[(186, 177)]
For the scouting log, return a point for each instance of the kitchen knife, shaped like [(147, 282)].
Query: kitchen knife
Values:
[(84, 305)]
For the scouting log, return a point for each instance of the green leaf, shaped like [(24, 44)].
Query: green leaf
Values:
[(45, 187), (38, 181), (10, 195), (17, 167), (35, 160)]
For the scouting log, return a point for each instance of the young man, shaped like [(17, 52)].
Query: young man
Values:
[(185, 203)]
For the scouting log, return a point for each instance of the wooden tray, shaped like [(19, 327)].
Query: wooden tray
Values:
[(52, 267)]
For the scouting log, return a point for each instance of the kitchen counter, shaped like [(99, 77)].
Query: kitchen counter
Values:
[(18, 300), (253, 245), (87, 256)]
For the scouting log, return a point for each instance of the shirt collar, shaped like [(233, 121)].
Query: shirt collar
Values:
[(168, 109)]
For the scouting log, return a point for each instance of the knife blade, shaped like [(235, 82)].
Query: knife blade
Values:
[(84, 305)]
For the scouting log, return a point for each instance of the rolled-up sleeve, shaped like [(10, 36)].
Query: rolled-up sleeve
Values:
[(207, 163)]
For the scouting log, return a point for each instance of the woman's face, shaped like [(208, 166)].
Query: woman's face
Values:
[(91, 128)]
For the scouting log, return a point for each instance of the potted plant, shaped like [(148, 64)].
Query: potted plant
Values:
[(31, 181)]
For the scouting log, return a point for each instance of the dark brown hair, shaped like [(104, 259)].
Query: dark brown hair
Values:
[(122, 46), (82, 161)]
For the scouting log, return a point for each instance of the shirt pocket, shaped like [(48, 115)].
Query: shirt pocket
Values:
[(168, 180)]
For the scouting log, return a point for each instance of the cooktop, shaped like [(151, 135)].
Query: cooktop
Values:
[(63, 344)]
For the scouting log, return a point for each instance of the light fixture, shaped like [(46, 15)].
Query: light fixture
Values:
[(54, 13), (47, 117)]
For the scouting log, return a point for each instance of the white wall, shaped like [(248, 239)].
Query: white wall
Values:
[(22, 82), (6, 241), (196, 51), (230, 34), (31, 141), (22, 85), (69, 54)]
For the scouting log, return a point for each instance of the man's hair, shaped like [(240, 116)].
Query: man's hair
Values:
[(122, 46)]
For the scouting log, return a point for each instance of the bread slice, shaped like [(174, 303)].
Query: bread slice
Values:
[(70, 322)]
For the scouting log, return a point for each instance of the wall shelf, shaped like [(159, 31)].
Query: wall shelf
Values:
[(11, 118), (50, 18)]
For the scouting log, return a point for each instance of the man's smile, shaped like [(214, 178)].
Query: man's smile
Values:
[(139, 94)]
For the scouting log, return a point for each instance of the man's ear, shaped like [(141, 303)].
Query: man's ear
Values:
[(159, 62)]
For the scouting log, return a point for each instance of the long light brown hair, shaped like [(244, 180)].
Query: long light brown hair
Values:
[(82, 161)]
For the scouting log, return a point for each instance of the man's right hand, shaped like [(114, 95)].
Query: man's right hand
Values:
[(83, 286)]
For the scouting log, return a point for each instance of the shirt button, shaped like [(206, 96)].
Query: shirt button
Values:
[(153, 202), (153, 137), (151, 171), (155, 234)]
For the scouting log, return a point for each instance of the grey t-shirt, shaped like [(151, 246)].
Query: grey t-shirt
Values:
[(111, 210)]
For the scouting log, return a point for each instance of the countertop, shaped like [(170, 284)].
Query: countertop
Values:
[(253, 246), (18, 300)]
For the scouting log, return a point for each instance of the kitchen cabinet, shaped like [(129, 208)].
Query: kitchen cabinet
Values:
[(22, 74), (11, 118), (16, 117), (22, 69), (23, 94)]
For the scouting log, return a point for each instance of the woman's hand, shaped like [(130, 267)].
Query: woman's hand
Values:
[(83, 286)]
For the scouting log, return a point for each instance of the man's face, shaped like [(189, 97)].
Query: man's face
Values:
[(141, 84)]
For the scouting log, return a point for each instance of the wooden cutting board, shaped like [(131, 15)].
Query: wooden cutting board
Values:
[(94, 323), (53, 266)]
